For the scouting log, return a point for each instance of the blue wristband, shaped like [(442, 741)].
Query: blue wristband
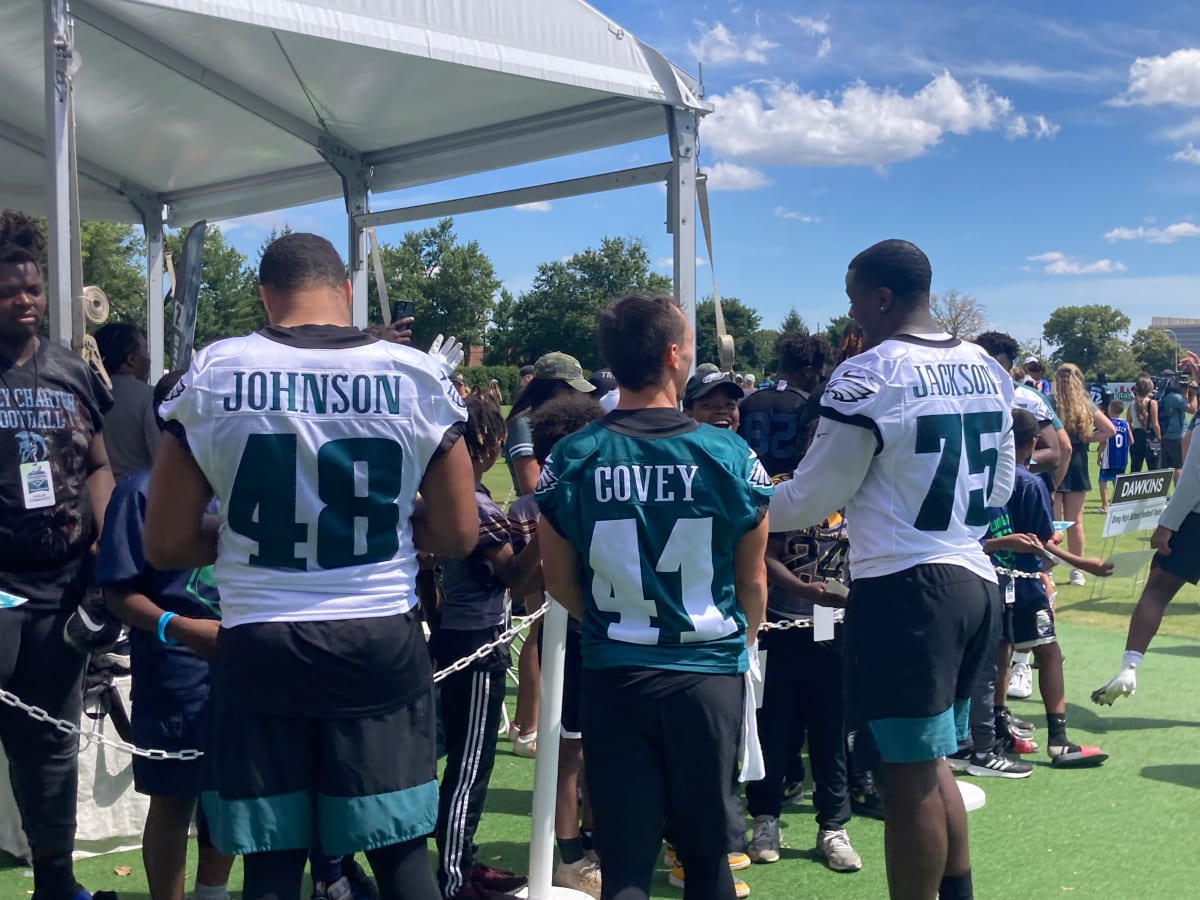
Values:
[(162, 629)]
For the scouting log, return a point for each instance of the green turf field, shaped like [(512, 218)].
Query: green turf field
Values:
[(1122, 831)]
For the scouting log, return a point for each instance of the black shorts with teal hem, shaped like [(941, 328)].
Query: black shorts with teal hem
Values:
[(1184, 561), (918, 643), (172, 726), (1032, 621), (572, 698), (341, 784)]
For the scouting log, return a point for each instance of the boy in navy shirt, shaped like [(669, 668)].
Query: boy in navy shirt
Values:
[(1113, 456), (174, 618)]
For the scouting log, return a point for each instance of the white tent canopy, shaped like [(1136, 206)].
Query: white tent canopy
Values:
[(221, 108)]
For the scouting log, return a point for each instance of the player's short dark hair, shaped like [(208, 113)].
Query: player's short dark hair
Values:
[(1025, 427), (165, 385), (997, 342), (116, 342), (300, 260), (799, 351), (22, 239), (558, 417), (485, 428), (634, 333), (898, 265)]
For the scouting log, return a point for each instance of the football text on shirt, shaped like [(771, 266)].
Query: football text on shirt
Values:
[(661, 484), (954, 380), (315, 392)]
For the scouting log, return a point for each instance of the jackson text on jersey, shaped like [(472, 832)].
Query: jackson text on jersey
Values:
[(953, 380)]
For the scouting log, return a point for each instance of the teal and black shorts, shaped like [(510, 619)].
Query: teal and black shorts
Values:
[(324, 735), (918, 644)]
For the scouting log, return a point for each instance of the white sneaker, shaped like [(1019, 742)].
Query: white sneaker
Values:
[(834, 847), (1020, 681), (1123, 684), (523, 744), (582, 875), (1077, 578), (764, 840)]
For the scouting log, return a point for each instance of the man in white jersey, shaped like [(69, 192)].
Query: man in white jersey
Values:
[(315, 438), (915, 442)]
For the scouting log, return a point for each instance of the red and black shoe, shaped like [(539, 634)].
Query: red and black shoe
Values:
[(1075, 756), (498, 880)]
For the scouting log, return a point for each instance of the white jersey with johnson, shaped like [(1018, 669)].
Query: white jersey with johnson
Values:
[(315, 440), (940, 411)]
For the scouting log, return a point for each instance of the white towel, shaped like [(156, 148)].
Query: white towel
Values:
[(749, 749)]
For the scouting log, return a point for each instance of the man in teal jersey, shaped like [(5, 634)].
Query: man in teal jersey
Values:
[(654, 534)]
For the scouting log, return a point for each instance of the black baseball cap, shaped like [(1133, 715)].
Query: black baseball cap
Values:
[(709, 378), (526, 370)]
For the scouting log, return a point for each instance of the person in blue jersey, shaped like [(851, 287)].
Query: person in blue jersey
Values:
[(653, 534), (171, 687), (914, 442), (1113, 456), (315, 438)]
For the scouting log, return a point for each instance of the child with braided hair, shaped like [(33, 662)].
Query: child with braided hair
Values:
[(472, 615)]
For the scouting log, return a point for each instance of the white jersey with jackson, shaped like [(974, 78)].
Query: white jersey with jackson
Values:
[(940, 413), (315, 441)]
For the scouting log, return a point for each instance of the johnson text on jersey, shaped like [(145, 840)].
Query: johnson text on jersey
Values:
[(314, 392)]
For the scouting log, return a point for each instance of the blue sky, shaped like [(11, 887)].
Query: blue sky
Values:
[(1040, 159)]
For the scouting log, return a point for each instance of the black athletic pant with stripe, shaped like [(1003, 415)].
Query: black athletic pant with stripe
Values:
[(472, 701)]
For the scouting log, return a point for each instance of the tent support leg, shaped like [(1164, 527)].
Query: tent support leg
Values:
[(356, 188), (681, 207), (58, 53)]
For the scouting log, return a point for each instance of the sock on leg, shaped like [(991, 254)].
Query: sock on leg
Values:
[(1056, 725), (570, 849), (325, 869), (210, 892), (956, 887), (1131, 660), (1021, 657), (54, 876)]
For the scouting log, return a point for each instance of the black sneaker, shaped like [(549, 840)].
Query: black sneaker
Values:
[(1015, 725), (793, 792), (865, 799), (91, 629), (994, 765), (960, 760)]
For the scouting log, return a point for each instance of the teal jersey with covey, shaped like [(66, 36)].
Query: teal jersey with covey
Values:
[(654, 504)]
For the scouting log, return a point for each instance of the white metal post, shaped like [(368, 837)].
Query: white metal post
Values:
[(155, 314), (356, 204), (545, 769), (681, 207), (58, 158)]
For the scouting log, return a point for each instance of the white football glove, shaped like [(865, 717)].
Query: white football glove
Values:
[(448, 351)]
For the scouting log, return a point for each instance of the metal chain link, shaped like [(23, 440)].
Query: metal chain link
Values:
[(519, 625), (839, 615), (40, 715), (1017, 573)]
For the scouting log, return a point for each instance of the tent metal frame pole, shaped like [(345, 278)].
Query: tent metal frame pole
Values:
[(58, 53), (156, 323), (558, 190), (356, 188), (681, 206)]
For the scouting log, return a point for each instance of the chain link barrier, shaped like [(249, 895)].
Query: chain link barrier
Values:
[(519, 625), (839, 616)]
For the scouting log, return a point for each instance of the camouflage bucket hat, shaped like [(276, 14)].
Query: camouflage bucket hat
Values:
[(562, 367)]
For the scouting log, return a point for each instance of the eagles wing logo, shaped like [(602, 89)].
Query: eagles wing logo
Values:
[(180, 387), (852, 387), (547, 480), (758, 475)]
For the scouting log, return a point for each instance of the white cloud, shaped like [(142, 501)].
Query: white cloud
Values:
[(794, 215), (777, 122), (813, 27), (1038, 127), (1182, 132), (724, 176), (1169, 235), (1189, 154), (1172, 80), (720, 46), (1061, 264), (824, 49), (537, 206)]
